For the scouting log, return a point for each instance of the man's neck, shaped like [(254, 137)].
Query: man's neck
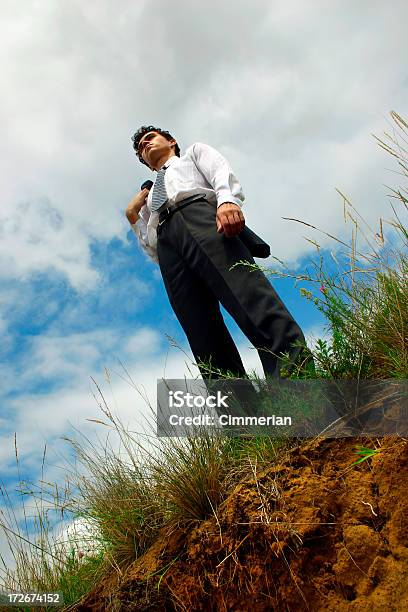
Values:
[(160, 162)]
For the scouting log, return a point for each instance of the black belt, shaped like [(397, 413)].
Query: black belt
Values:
[(257, 247), (170, 210)]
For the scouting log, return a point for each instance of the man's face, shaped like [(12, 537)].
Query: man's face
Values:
[(153, 147)]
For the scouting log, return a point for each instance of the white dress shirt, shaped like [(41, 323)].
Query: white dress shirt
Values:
[(202, 170)]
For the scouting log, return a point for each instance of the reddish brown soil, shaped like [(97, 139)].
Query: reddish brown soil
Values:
[(310, 533)]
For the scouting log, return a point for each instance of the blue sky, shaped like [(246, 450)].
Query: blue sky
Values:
[(291, 93)]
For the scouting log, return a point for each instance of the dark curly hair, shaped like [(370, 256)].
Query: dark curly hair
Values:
[(137, 136)]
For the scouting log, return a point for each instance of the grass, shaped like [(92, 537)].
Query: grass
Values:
[(43, 563), (365, 453), (129, 498)]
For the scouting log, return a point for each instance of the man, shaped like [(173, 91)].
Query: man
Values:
[(190, 224)]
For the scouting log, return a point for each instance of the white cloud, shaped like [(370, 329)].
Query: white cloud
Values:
[(73, 360), (32, 237), (146, 341), (315, 333), (48, 357)]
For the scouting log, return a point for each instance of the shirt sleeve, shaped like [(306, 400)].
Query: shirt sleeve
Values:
[(218, 172), (140, 230)]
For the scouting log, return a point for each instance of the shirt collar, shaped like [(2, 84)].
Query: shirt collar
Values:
[(169, 162)]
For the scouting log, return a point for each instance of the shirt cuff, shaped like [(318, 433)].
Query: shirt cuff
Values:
[(228, 198), (136, 227)]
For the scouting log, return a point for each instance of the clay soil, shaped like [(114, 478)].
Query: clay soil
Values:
[(312, 532)]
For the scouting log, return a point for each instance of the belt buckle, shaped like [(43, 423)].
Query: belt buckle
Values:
[(167, 211)]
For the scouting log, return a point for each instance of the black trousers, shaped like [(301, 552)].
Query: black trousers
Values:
[(195, 263)]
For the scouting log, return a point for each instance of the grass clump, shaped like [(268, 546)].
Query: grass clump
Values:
[(45, 559)]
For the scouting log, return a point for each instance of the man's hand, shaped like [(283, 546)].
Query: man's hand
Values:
[(135, 204), (230, 219)]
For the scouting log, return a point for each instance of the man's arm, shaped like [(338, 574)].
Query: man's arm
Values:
[(138, 216), (135, 204), (217, 171)]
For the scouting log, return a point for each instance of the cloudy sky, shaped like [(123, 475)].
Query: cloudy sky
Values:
[(291, 92)]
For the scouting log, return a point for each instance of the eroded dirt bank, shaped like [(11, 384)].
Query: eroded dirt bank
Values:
[(310, 533)]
